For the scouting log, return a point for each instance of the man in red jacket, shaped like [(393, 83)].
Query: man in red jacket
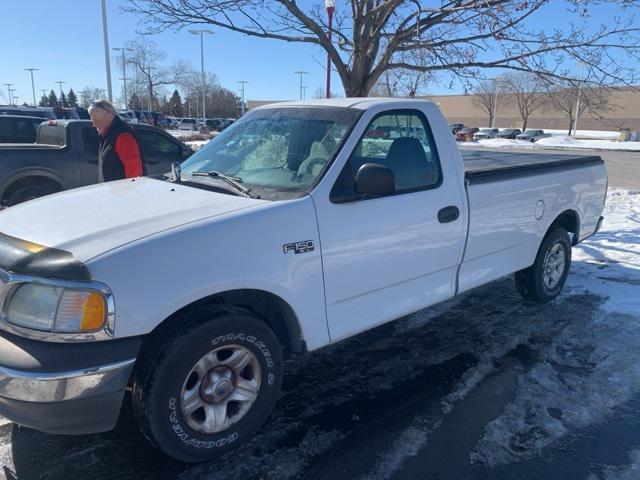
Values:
[(119, 155)]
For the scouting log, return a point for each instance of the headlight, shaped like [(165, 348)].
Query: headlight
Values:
[(56, 309)]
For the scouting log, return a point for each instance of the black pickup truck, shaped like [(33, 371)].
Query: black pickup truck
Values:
[(65, 156)]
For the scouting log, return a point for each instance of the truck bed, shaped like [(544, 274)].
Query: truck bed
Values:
[(482, 166)]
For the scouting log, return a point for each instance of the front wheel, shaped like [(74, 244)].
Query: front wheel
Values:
[(210, 385), (544, 280)]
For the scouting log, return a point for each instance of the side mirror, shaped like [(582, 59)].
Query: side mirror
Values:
[(373, 179)]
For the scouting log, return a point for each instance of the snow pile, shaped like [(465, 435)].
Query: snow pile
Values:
[(591, 366), (556, 141)]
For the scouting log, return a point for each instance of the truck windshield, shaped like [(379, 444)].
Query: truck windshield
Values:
[(278, 152)]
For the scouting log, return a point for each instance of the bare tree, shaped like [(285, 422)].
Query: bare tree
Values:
[(461, 37), (527, 92), (485, 97), (564, 98), (90, 94), (151, 71)]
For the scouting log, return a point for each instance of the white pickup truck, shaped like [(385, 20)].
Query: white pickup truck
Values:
[(301, 225)]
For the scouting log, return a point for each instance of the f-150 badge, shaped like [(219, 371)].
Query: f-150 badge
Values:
[(298, 247)]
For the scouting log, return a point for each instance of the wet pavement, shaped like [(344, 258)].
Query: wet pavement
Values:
[(411, 399)]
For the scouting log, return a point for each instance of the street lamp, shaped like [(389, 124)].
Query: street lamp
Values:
[(33, 88), (201, 32), (124, 71), (60, 82), (243, 83), (15, 99), (9, 85), (331, 6), (301, 73), (107, 61), (12, 96)]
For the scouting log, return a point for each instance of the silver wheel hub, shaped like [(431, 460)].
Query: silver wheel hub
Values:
[(554, 266), (220, 388)]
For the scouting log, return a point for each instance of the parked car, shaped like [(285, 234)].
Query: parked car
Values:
[(509, 133), (214, 124), (466, 134), (485, 133), (128, 116), (159, 119), (456, 127), (19, 128), (66, 113), (46, 113), (532, 135), (83, 113), (172, 123), (188, 124), (190, 291), (65, 156)]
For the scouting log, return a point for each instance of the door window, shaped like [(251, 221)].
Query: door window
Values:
[(157, 145), (401, 141)]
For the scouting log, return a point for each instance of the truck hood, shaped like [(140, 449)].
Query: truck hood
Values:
[(93, 220)]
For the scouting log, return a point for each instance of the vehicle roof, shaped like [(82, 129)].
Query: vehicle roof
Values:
[(361, 103), (28, 117)]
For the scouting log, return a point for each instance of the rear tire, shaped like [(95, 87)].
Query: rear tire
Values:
[(26, 190), (209, 384), (544, 280)]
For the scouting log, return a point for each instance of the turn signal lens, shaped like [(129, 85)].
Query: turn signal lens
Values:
[(80, 311)]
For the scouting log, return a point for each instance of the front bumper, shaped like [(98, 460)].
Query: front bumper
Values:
[(64, 388)]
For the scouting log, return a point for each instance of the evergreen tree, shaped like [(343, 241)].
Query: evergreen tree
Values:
[(63, 100), (53, 99), (134, 102), (72, 99), (44, 101), (175, 105)]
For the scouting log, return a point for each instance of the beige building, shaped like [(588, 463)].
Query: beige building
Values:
[(460, 109)]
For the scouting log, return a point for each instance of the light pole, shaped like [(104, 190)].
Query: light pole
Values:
[(9, 85), (301, 73), (331, 6), (15, 99), (107, 61), (243, 83), (201, 32), (304, 92), (124, 71), (12, 96), (60, 82), (33, 88)]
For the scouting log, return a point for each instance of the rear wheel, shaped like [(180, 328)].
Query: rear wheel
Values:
[(26, 190), (544, 280), (210, 385)]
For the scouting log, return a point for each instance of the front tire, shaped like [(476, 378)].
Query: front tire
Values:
[(210, 385), (544, 280)]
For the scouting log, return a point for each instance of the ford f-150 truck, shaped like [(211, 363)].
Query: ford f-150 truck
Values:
[(291, 230)]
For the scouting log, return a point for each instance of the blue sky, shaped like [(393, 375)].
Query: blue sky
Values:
[(63, 38)]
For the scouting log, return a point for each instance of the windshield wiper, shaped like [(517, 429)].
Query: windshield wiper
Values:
[(233, 181)]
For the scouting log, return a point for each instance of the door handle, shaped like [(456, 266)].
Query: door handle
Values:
[(448, 214)]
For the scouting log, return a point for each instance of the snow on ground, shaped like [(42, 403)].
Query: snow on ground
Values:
[(591, 366), (556, 141), (627, 472), (595, 134), (197, 144)]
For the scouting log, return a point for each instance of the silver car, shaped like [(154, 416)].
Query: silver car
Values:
[(532, 135), (485, 133)]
